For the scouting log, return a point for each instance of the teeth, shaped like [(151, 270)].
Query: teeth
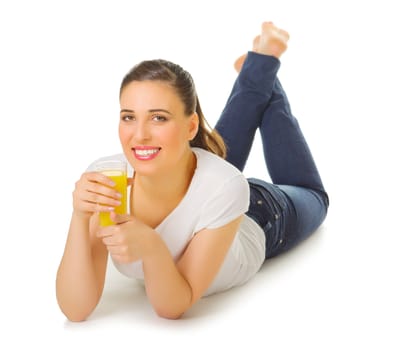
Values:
[(146, 152)]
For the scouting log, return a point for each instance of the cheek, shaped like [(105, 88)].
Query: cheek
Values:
[(123, 135), (176, 136)]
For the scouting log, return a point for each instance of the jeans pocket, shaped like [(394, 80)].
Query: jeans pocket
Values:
[(267, 208), (272, 194)]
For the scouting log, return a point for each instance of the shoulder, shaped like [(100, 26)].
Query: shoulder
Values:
[(221, 189), (215, 168), (218, 178)]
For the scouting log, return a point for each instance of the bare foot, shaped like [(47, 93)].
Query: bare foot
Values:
[(272, 42), (238, 64)]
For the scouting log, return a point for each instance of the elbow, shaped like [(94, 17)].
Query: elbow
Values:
[(76, 308), (169, 315), (76, 311), (77, 318), (76, 315), (170, 312)]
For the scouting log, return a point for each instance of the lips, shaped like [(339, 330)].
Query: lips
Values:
[(146, 153)]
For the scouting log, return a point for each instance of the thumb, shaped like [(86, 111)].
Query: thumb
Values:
[(120, 218)]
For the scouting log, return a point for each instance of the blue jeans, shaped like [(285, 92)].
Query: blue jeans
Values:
[(295, 204)]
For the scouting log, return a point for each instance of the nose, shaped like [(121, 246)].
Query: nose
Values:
[(142, 131)]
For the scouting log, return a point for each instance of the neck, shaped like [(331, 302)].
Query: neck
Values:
[(170, 185)]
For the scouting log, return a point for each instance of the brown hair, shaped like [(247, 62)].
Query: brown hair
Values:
[(171, 73)]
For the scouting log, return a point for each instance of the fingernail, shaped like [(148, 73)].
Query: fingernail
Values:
[(119, 195)]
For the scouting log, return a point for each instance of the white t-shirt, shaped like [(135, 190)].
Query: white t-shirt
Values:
[(218, 194)]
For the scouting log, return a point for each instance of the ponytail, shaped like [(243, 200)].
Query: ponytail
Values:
[(206, 137)]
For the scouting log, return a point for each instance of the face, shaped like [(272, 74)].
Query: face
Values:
[(154, 130)]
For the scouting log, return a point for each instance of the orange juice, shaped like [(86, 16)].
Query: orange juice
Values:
[(120, 179)]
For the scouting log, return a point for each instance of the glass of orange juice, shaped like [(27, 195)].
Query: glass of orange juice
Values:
[(117, 171)]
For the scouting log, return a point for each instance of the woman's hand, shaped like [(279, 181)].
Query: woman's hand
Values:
[(94, 192), (128, 240)]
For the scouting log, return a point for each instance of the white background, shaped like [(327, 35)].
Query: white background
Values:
[(61, 63)]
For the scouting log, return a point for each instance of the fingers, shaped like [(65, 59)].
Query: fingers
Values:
[(99, 178), (94, 192), (127, 240), (116, 244), (84, 206), (100, 194), (119, 219), (113, 239), (113, 230)]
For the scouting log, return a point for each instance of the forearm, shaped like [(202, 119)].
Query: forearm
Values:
[(168, 291), (79, 281)]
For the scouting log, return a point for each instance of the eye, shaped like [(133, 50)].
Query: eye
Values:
[(127, 118), (159, 118)]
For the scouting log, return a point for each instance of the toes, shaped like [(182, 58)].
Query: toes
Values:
[(272, 41), (266, 25), (284, 34), (269, 27)]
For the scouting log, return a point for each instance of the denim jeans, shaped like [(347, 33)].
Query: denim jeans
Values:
[(295, 204)]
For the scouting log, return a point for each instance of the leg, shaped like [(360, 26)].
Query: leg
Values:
[(299, 195), (243, 112), (287, 214), (291, 210), (288, 157), (242, 115)]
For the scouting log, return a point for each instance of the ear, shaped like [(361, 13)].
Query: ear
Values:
[(194, 123)]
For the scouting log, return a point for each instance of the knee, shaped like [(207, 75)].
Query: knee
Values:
[(325, 199)]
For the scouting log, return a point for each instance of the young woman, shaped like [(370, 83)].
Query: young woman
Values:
[(196, 225)]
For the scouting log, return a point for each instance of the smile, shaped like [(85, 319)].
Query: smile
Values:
[(145, 153)]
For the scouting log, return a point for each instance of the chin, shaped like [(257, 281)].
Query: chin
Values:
[(145, 169)]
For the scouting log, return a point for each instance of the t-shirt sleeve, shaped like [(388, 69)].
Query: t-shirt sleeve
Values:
[(227, 203)]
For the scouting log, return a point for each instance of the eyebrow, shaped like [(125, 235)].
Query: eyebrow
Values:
[(150, 111)]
